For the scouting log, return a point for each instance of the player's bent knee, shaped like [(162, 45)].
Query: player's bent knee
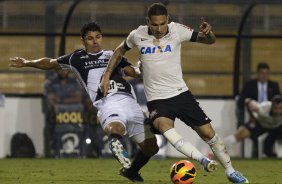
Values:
[(210, 135), (115, 128), (206, 132)]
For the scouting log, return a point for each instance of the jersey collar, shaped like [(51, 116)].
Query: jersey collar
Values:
[(150, 32), (95, 53)]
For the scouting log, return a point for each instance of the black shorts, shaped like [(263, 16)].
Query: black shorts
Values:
[(183, 106), (255, 129)]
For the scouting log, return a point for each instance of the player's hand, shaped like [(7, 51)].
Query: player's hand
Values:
[(104, 85), (140, 66), (139, 69), (17, 62), (205, 27)]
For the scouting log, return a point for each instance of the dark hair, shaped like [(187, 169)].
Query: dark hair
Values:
[(262, 65), (276, 99), (91, 26), (156, 9)]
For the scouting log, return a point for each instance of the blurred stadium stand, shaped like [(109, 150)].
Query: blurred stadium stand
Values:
[(32, 29)]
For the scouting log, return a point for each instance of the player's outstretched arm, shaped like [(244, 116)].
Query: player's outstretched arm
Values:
[(205, 34), (42, 63), (116, 57)]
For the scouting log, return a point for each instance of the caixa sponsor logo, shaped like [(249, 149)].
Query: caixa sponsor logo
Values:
[(156, 49)]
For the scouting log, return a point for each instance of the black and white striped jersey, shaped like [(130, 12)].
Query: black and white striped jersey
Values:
[(89, 68)]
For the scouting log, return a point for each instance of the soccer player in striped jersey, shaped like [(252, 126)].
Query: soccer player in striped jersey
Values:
[(118, 112)]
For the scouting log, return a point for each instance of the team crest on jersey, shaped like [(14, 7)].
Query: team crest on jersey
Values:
[(156, 42), (156, 49), (153, 114), (106, 56)]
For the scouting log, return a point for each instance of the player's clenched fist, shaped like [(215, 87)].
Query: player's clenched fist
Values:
[(205, 27)]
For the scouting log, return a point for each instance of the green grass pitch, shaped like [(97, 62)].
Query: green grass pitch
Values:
[(105, 171)]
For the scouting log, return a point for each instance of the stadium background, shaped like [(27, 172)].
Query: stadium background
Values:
[(247, 32)]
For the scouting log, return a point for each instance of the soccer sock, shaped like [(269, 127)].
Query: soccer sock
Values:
[(118, 150), (229, 141), (139, 161), (219, 150), (183, 146)]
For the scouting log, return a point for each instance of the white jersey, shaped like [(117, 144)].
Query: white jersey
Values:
[(264, 118), (160, 59)]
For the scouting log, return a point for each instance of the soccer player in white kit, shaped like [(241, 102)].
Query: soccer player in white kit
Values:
[(159, 45), (118, 112)]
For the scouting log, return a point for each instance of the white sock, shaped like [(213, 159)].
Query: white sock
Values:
[(229, 141), (219, 150), (183, 146)]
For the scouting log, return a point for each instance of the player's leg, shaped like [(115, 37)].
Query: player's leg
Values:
[(192, 114), (165, 126), (162, 114), (140, 134), (207, 133), (148, 147), (115, 131), (113, 121)]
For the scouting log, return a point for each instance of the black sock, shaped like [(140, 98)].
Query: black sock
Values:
[(139, 161), (115, 136)]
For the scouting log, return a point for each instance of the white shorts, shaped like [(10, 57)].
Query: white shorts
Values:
[(124, 109)]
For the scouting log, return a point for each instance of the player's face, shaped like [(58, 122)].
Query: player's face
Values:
[(277, 109), (92, 41), (158, 25), (263, 75)]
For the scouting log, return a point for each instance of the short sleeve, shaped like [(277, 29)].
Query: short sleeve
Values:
[(130, 41), (64, 61), (185, 33)]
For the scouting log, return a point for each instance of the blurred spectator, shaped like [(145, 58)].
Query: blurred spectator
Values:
[(260, 89), (60, 89), (264, 117)]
